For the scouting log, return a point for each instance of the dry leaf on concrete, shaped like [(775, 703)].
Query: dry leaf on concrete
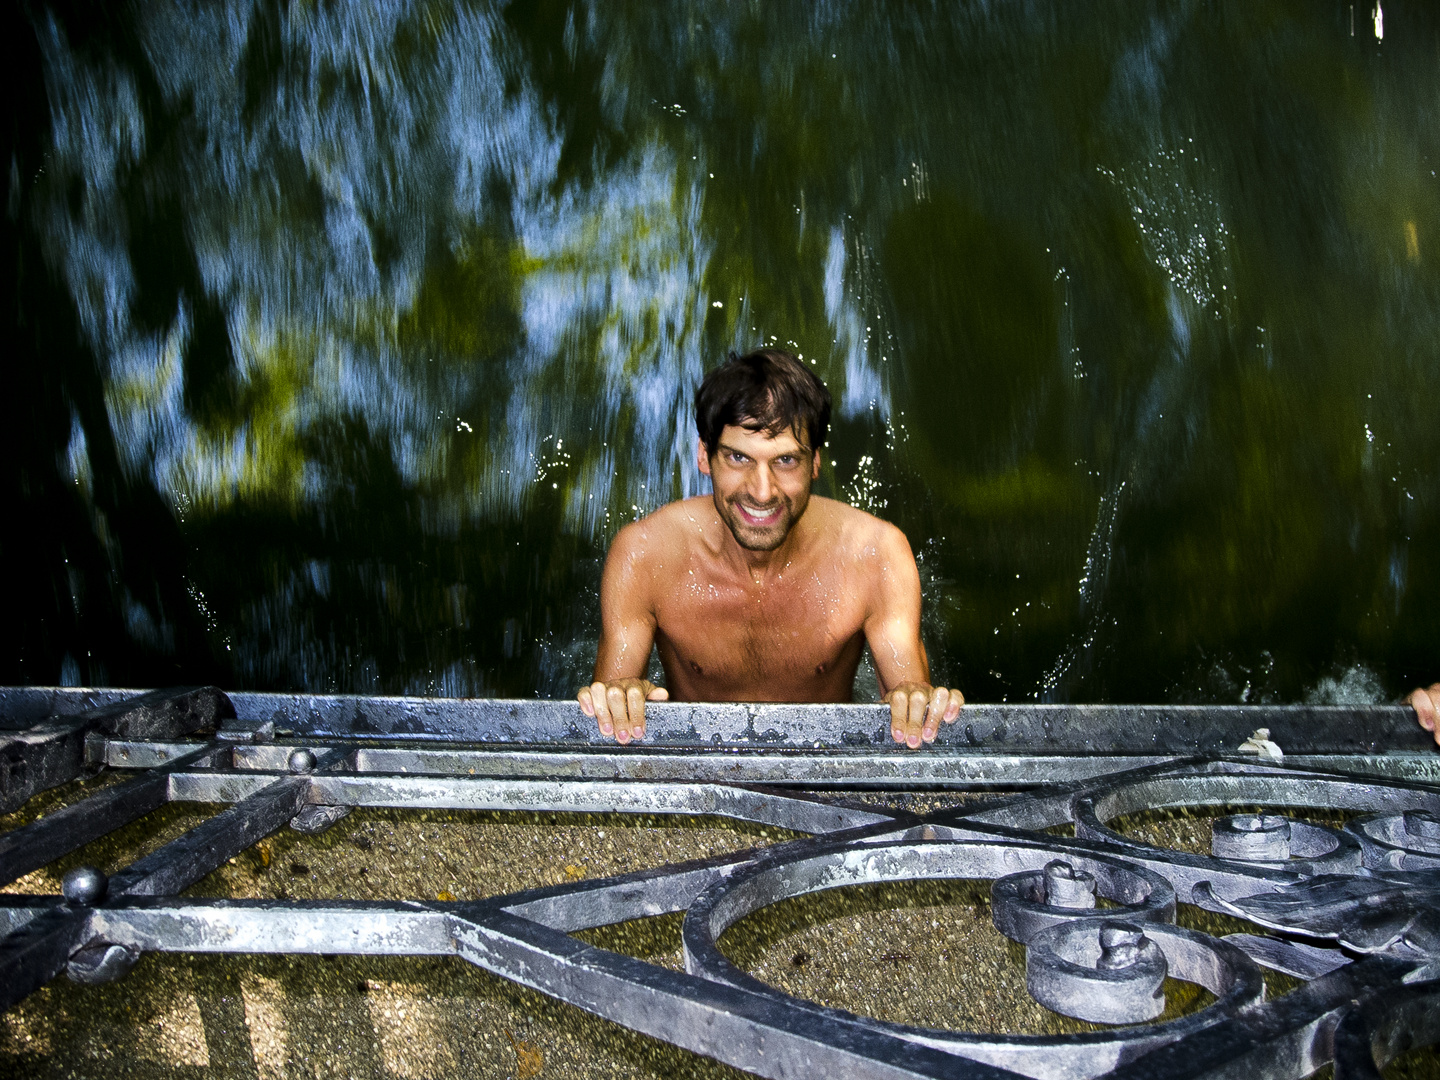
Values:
[(528, 1058)]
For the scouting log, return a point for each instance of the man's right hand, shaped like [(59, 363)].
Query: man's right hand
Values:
[(917, 708), (1426, 704), (619, 706)]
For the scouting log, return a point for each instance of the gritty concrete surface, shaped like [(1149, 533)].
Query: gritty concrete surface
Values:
[(921, 953)]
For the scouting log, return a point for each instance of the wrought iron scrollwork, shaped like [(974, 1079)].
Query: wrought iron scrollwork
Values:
[(1353, 912)]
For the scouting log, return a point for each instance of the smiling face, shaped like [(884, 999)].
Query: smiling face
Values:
[(762, 484)]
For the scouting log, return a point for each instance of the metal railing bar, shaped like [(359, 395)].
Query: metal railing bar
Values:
[(17, 910), (640, 894), (54, 750), (134, 754), (46, 839), (943, 766), (745, 1029), (35, 953), (187, 859), (1182, 869), (614, 797), (897, 768), (1401, 765), (373, 928), (893, 767), (1059, 729), (22, 706), (760, 806), (796, 810), (219, 787), (1171, 729)]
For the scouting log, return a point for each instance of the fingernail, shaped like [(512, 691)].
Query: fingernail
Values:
[(897, 734), (913, 742)]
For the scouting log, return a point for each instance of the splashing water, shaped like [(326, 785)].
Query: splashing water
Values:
[(383, 318)]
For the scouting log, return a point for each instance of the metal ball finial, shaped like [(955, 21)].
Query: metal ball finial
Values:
[(302, 761), (84, 885)]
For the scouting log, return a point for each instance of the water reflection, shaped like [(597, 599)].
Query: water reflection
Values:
[(389, 316)]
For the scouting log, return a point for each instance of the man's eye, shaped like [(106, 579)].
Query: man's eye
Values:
[(785, 459)]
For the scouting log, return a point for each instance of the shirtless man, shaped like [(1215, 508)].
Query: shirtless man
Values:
[(762, 592)]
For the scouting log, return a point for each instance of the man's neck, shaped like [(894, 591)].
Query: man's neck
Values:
[(762, 566)]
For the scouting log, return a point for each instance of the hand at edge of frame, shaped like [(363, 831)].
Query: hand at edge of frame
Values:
[(1426, 703)]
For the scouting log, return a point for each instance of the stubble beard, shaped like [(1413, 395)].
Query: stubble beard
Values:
[(758, 537)]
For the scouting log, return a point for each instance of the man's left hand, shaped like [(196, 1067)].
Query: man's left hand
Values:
[(916, 710), (1426, 703)]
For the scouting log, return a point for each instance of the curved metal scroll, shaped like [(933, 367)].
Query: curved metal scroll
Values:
[(1355, 913)]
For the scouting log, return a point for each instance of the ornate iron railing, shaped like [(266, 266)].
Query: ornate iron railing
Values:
[(1352, 911)]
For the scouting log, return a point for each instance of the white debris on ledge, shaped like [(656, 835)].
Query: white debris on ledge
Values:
[(1259, 744)]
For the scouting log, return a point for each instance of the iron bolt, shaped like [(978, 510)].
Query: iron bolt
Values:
[(1260, 823), (302, 761), (1251, 837), (1119, 947), (1067, 887), (84, 885)]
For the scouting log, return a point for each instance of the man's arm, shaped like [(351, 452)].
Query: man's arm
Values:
[(616, 699), (1426, 704), (892, 630)]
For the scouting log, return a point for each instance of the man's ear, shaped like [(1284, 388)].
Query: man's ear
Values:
[(815, 467), (702, 457)]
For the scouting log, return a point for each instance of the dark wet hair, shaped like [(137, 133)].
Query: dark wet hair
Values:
[(767, 390)]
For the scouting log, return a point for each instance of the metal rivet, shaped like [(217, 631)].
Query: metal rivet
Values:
[(1067, 887), (302, 761), (1251, 837), (84, 885), (1119, 947)]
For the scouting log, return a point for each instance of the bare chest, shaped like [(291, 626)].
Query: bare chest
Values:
[(730, 639)]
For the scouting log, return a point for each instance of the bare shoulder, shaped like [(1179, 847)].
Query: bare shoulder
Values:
[(663, 535), (861, 534)]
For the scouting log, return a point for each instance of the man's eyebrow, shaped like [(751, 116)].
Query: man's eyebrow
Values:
[(736, 450)]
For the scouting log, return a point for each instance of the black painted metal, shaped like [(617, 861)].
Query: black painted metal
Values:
[(1366, 940), (51, 749)]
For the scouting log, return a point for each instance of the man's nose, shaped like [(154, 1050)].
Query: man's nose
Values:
[(763, 485)]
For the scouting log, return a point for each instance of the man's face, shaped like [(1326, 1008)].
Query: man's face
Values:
[(762, 484)]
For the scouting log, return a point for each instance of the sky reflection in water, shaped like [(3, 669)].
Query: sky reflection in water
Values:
[(389, 316)]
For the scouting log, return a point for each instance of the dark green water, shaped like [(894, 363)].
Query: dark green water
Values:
[(346, 335)]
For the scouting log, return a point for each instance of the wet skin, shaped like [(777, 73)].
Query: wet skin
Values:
[(761, 592), (1426, 703)]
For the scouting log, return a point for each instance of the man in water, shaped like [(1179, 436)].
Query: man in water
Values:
[(762, 592), (1426, 703)]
